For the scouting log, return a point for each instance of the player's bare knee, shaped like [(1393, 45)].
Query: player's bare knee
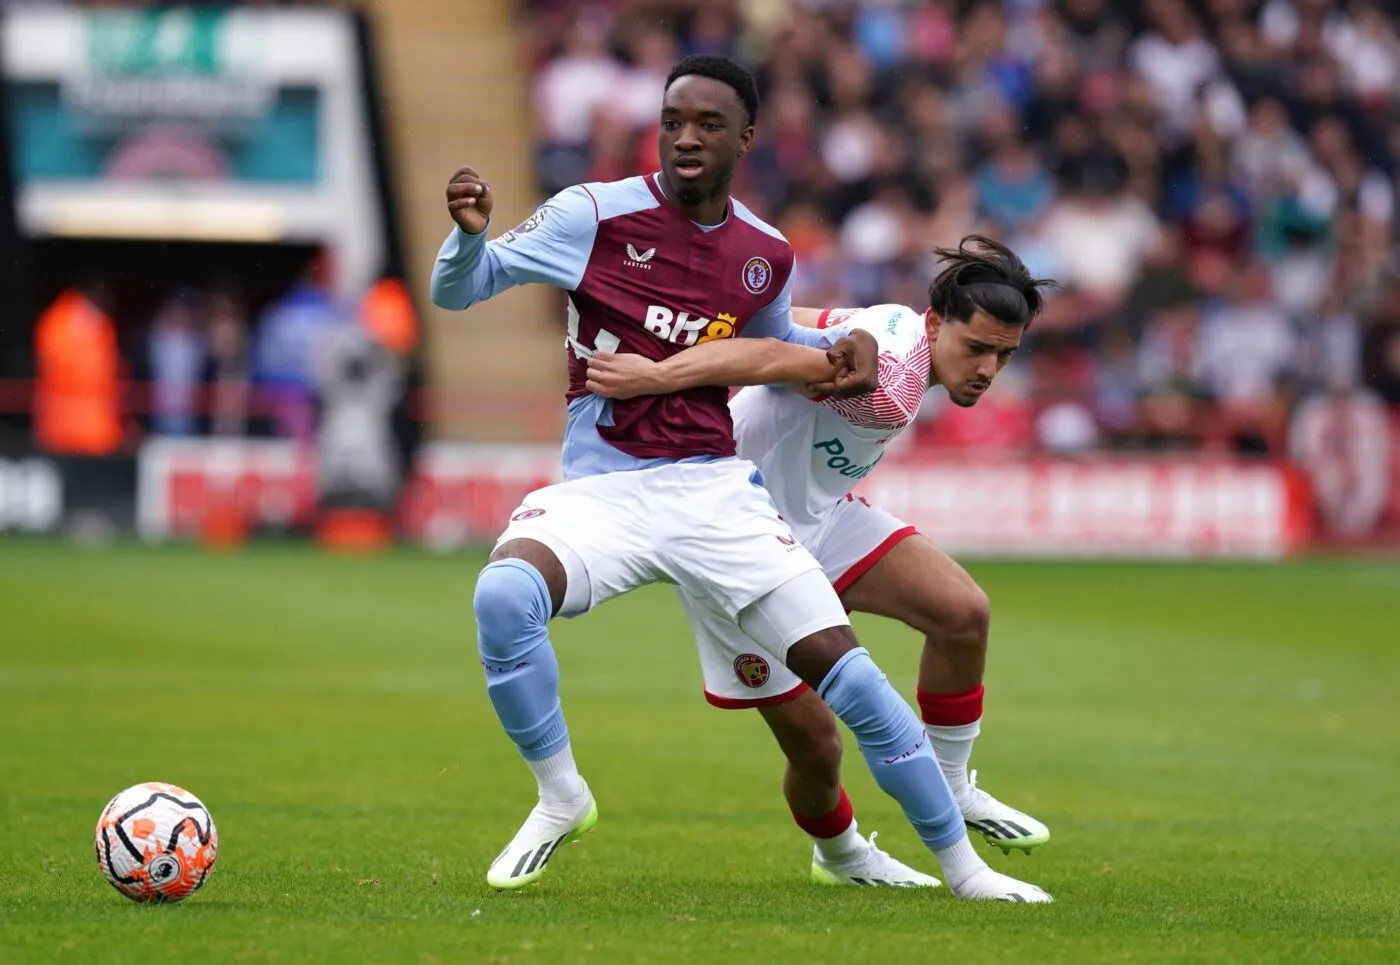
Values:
[(812, 657), (543, 559), (974, 616), (961, 617)]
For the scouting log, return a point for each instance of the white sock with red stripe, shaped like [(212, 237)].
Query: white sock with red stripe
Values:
[(953, 722), (834, 834)]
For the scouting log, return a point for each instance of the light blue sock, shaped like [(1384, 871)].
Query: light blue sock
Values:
[(522, 676), (895, 746)]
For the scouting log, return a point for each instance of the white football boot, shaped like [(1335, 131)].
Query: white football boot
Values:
[(1000, 824), (869, 866), (988, 885), (525, 858)]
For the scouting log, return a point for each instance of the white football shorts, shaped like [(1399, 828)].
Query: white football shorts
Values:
[(738, 673), (708, 527)]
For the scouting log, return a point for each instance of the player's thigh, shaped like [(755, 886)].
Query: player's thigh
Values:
[(721, 538), (804, 623), (919, 585), (596, 527), (852, 537), (738, 673)]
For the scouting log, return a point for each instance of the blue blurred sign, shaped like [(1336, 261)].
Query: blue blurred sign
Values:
[(171, 95)]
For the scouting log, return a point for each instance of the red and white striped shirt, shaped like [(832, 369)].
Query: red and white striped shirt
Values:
[(903, 365), (812, 454)]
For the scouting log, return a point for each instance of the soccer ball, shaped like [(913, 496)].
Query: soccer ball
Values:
[(156, 842)]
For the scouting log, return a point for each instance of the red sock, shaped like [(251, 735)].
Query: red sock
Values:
[(830, 825), (951, 710)]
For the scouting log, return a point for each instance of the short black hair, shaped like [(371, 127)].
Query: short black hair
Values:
[(724, 70), (984, 275)]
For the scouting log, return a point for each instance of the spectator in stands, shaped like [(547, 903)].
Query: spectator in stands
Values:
[(77, 406), (286, 341), (387, 314), (1329, 348), (175, 360), (638, 87), (568, 93), (1101, 232), (817, 279), (1096, 31), (710, 30), (1369, 54), (1245, 354), (1270, 156), (1168, 382), (1012, 186), (1381, 351), (1176, 60), (228, 370)]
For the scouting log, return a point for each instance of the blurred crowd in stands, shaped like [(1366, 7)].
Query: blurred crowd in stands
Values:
[(183, 3), (203, 364), (116, 359), (1213, 182)]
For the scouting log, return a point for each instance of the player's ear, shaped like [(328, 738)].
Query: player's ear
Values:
[(745, 140), (933, 324)]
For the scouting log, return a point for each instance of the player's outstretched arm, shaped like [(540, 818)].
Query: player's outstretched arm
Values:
[(550, 247), (808, 317), (846, 369)]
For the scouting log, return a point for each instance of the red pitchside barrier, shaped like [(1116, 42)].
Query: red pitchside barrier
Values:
[(463, 494)]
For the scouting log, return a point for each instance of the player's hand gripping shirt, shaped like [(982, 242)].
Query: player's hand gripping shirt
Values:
[(813, 453), (640, 277)]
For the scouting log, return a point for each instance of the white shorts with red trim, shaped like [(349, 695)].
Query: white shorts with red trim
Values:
[(739, 673)]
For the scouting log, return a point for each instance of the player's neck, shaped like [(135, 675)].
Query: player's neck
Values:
[(707, 211), (711, 211)]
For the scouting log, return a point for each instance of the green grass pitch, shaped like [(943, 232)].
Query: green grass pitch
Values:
[(1215, 748)]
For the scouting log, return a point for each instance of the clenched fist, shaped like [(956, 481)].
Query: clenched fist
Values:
[(469, 200), (855, 366)]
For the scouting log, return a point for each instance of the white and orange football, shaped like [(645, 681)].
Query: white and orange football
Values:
[(156, 842)]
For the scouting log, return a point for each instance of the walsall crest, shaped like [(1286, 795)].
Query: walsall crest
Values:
[(751, 669), (757, 274)]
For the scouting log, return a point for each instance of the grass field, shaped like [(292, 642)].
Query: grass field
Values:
[(1216, 749)]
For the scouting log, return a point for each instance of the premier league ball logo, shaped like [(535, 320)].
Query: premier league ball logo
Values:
[(757, 274), (532, 222), (526, 226)]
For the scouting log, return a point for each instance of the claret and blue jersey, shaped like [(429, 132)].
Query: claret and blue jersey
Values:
[(641, 277)]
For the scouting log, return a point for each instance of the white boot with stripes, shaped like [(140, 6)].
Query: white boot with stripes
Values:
[(869, 866), (544, 832), (1000, 824)]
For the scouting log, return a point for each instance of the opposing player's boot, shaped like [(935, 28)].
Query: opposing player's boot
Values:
[(988, 885), (1000, 824), (869, 866), (525, 858)]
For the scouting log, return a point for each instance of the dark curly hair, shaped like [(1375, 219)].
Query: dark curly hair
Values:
[(984, 275), (725, 71)]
